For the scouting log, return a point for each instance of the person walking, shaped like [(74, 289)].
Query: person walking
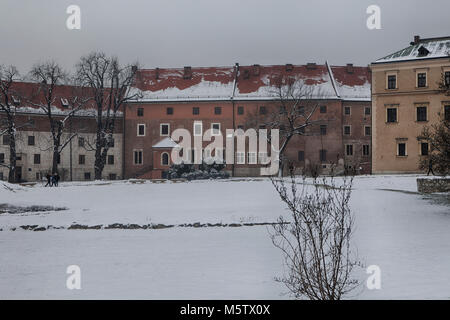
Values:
[(56, 179), (430, 167), (49, 182)]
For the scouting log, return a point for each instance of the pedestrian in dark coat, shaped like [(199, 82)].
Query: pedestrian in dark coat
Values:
[(49, 182), (430, 167)]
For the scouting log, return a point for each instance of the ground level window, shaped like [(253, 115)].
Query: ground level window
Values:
[(366, 150), (2, 158), (87, 176), (401, 149), (301, 156), (349, 149), (138, 157), (110, 159), (424, 148), (240, 157), (165, 159), (252, 157), (263, 158), (112, 176)]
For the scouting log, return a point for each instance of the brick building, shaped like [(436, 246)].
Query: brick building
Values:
[(238, 98)]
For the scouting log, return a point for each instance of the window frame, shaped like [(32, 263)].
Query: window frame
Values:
[(213, 133), (161, 131), (365, 131), (195, 111), (37, 158), (33, 140), (240, 157), (396, 114), (368, 150), (398, 149), (350, 130), (81, 156), (200, 123), (349, 147), (253, 158), (169, 111), (162, 159), (217, 110), (141, 152), (417, 113), (349, 111), (145, 129), (418, 73), (140, 112)]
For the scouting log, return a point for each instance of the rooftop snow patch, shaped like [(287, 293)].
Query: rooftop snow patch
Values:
[(166, 143)]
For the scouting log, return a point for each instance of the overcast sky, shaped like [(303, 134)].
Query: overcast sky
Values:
[(175, 33)]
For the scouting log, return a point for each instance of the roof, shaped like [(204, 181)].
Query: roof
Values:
[(166, 143), (254, 82), (437, 48), (354, 86)]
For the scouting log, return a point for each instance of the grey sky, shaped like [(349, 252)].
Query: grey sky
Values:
[(175, 33)]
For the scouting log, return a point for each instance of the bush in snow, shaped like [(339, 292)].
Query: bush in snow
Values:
[(205, 171)]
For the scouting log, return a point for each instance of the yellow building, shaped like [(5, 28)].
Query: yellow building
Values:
[(406, 96)]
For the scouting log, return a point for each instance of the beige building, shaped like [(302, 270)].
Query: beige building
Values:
[(406, 97)]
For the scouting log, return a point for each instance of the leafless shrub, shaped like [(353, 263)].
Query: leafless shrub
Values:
[(315, 240)]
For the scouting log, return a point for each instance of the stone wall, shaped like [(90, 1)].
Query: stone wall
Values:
[(433, 185)]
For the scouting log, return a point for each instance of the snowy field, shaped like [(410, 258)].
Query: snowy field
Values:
[(406, 234)]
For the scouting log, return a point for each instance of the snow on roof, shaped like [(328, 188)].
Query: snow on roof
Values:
[(166, 143), (172, 84), (250, 83), (354, 85), (437, 47)]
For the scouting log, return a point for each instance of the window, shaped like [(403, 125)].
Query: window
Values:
[(215, 127), (366, 150), (164, 129), (367, 111), (110, 159), (2, 158), (240, 157), (251, 157), (391, 115), (140, 112), (323, 129), (240, 110), (31, 140), (392, 82), (195, 110), (141, 130), (401, 149), (240, 127), (347, 111), (80, 141), (323, 109), (64, 103), (367, 130), (164, 159), (301, 156), (347, 130), (424, 148), (38, 176), (1, 176), (87, 176), (58, 159), (323, 155), (111, 142), (421, 113), (169, 110), (137, 157), (263, 158), (262, 110), (218, 110), (421, 80), (447, 113), (301, 110), (447, 78), (6, 139), (81, 159), (112, 176), (37, 158), (349, 149), (198, 128)]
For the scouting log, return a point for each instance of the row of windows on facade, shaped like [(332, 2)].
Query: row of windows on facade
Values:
[(215, 127), (37, 159), (87, 176), (402, 149), (252, 157), (421, 114), (262, 110), (32, 141), (421, 80)]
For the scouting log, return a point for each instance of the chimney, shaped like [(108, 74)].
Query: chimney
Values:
[(157, 73), (349, 67), (416, 40), (256, 69), (311, 66), (289, 67), (187, 72), (134, 69)]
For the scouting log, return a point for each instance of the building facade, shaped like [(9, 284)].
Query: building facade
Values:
[(406, 97)]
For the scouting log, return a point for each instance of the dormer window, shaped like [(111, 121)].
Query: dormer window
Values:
[(64, 103), (423, 52)]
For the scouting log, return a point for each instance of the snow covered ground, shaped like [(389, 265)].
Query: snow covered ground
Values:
[(406, 234)]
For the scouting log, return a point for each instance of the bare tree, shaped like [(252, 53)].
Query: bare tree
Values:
[(49, 76), (438, 138), (444, 83), (110, 85), (315, 240), (297, 102), (9, 99)]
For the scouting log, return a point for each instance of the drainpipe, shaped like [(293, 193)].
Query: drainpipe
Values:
[(236, 72)]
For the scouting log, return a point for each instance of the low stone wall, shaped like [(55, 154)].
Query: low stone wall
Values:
[(433, 185)]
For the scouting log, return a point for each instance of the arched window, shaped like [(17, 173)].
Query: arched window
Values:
[(165, 159)]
